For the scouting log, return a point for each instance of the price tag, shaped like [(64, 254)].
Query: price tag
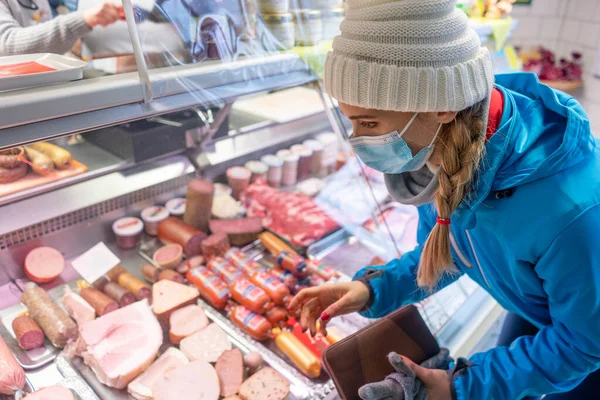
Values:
[(95, 262)]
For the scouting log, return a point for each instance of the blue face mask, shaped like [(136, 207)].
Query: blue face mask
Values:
[(389, 153)]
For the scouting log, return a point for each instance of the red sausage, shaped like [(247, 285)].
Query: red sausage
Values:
[(251, 296), (28, 333), (119, 294), (170, 275), (276, 290), (101, 302)]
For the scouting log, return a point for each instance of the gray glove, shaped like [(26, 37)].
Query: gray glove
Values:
[(403, 384)]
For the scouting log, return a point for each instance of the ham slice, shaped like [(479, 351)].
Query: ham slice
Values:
[(142, 387), (197, 380), (265, 384), (207, 344), (122, 344), (79, 309), (51, 393), (230, 369), (168, 296), (185, 322)]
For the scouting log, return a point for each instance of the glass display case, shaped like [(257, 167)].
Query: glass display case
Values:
[(222, 93)]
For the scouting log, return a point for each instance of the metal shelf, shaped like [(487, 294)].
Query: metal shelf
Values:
[(52, 111)]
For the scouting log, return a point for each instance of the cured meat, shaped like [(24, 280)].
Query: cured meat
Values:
[(173, 230), (234, 397), (44, 264), (51, 393), (119, 294), (185, 322), (150, 272), (243, 261), (225, 270), (134, 285), (168, 296), (189, 264), (230, 369), (276, 289), (207, 344), (197, 380), (253, 361), (28, 333), (171, 275), (212, 288), (247, 294), (293, 216), (101, 302), (79, 309), (216, 244), (241, 231), (199, 199), (55, 323), (265, 384), (122, 344), (168, 256), (142, 387), (12, 376), (253, 324)]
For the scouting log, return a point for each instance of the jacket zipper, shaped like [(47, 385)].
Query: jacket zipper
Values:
[(477, 260)]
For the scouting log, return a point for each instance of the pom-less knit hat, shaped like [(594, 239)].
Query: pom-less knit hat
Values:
[(408, 55)]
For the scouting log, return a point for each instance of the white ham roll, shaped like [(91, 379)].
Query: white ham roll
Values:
[(197, 380)]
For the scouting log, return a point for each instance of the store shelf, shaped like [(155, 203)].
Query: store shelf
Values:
[(52, 111)]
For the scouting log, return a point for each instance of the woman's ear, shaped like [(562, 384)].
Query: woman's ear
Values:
[(445, 117)]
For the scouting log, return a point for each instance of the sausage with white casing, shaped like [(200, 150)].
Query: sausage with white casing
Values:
[(59, 156), (41, 164)]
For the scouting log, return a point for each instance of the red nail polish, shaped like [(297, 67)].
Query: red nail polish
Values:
[(325, 317)]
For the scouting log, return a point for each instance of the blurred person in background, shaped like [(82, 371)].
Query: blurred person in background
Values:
[(27, 26)]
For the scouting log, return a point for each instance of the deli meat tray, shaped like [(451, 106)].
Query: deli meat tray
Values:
[(21, 71)]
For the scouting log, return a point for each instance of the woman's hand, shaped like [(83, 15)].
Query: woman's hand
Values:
[(436, 381), (327, 301), (105, 14)]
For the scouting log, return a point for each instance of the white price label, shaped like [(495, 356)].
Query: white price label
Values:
[(95, 262)]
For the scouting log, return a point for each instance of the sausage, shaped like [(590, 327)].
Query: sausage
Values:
[(12, 158), (276, 289), (284, 276), (119, 294), (114, 273), (212, 288), (29, 334), (199, 199), (224, 269), (300, 356), (255, 325), (171, 275), (216, 244), (13, 174), (150, 272), (291, 262), (55, 323), (44, 264), (41, 164), (274, 244), (59, 156), (315, 280), (326, 272), (101, 283), (189, 264), (243, 261), (12, 376), (168, 256), (277, 316), (101, 302), (251, 296), (134, 285), (173, 230)]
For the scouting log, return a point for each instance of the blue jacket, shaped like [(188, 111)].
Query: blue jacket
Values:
[(537, 251)]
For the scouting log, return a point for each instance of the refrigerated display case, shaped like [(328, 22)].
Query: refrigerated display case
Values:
[(142, 136)]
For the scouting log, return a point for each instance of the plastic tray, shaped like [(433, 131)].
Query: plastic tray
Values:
[(65, 69)]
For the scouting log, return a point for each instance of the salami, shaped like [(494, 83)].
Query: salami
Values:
[(216, 244), (119, 294), (173, 230), (101, 302), (28, 333)]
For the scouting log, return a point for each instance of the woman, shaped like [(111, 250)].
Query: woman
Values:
[(506, 178), (26, 26)]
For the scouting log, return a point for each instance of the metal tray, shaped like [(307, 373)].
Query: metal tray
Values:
[(66, 69)]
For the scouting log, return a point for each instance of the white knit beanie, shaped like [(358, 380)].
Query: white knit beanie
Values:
[(408, 55)]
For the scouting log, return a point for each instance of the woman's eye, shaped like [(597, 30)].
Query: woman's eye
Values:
[(367, 124)]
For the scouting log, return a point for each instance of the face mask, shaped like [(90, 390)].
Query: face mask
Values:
[(390, 153)]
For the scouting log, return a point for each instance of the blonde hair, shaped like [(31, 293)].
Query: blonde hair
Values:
[(461, 144)]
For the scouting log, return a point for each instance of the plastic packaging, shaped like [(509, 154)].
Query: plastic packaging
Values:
[(152, 216), (304, 162), (176, 207), (275, 173), (331, 149), (128, 231), (309, 27), (276, 289), (212, 288), (12, 376), (282, 28), (251, 296), (252, 323), (258, 170), (316, 160), (290, 170), (225, 270), (283, 153), (242, 261), (239, 179), (300, 356)]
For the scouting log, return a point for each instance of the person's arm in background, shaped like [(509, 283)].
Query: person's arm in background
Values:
[(55, 36), (397, 285), (562, 354)]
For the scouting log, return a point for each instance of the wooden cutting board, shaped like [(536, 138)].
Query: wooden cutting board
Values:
[(32, 179)]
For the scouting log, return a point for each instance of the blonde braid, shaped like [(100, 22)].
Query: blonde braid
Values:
[(463, 142)]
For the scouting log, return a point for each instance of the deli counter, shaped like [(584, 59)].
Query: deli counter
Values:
[(161, 215)]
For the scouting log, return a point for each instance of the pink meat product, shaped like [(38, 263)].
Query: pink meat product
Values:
[(119, 294), (28, 333), (239, 179), (79, 309), (230, 369), (190, 264), (122, 344), (173, 230), (294, 216), (241, 231), (265, 384), (12, 376), (51, 393), (207, 344), (216, 244), (44, 264), (185, 322), (197, 380), (199, 199), (142, 387), (169, 256)]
